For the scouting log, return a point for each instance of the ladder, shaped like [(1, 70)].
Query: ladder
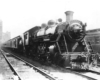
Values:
[(88, 46), (89, 50)]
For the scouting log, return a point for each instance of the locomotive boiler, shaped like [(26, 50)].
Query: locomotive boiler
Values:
[(61, 43)]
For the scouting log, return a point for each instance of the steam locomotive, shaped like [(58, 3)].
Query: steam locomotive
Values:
[(61, 43)]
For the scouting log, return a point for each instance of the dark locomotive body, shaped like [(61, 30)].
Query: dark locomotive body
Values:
[(64, 45)]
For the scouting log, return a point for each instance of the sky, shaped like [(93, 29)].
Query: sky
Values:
[(20, 15)]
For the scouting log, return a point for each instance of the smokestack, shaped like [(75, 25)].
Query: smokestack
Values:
[(69, 16)]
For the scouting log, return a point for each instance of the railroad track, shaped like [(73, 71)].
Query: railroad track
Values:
[(11, 67), (92, 74), (88, 73), (34, 68), (58, 75)]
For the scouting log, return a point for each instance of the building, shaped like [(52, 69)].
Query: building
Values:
[(6, 36), (0, 31)]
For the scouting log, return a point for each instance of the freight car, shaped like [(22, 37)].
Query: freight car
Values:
[(62, 44), (93, 36)]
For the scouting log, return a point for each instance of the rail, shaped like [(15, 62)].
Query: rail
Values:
[(11, 67)]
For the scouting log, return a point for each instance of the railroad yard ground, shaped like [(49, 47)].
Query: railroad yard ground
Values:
[(6, 73), (26, 72)]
